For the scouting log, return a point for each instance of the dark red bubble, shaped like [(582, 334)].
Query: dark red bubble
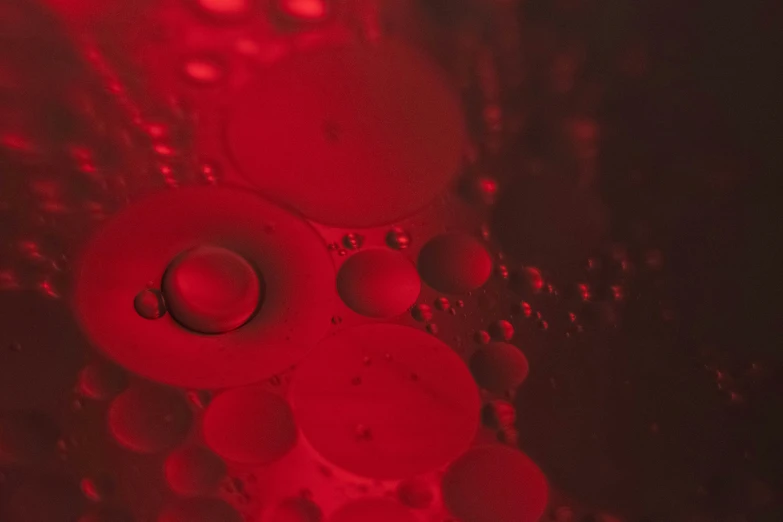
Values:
[(149, 419), (212, 290), (194, 471), (140, 242), (549, 222), (499, 367), (373, 509), (149, 304), (454, 263), (249, 426), (350, 136), (199, 510), (296, 510), (101, 381), (495, 484), (42, 500), (415, 493), (27, 438), (385, 401), (378, 283)]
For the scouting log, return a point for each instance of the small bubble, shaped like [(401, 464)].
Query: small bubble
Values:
[(486, 190), (203, 70), (353, 241), (96, 489), (432, 328), (398, 239), (210, 173), (522, 308), (342, 252), (149, 304), (443, 304), (303, 10), (422, 312), (502, 271), (543, 325), (460, 303), (223, 9), (618, 293), (337, 320), (47, 288), (481, 337), (502, 330), (584, 292)]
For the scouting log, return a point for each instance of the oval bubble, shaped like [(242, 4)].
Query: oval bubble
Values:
[(101, 381), (454, 263), (495, 484), (148, 419), (499, 367), (249, 426), (193, 471), (378, 283)]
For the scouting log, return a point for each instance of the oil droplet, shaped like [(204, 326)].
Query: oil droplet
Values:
[(203, 70), (303, 10), (97, 489), (443, 304), (378, 283), (210, 173), (487, 190), (148, 419), (415, 493), (422, 313), (398, 239), (522, 497), (481, 337), (194, 471), (454, 263), (249, 426), (432, 328), (353, 241), (502, 330), (502, 271), (499, 367), (498, 414), (149, 304), (101, 381), (527, 281)]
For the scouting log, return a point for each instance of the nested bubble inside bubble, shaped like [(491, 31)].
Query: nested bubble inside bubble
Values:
[(353, 135), (385, 401)]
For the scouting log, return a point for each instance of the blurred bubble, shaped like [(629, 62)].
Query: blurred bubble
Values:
[(101, 381), (194, 471), (454, 263), (499, 367), (398, 239)]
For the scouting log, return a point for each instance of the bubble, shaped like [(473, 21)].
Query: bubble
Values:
[(378, 283), (353, 241), (454, 263), (422, 312), (495, 484), (27, 438), (443, 304), (203, 70), (149, 304), (42, 500), (375, 509), (101, 381), (194, 471), (423, 410), (148, 419), (303, 10), (502, 330), (212, 290), (498, 414), (249, 426), (97, 489), (482, 337), (337, 121), (415, 493), (499, 367), (199, 510), (398, 238), (527, 281), (550, 222), (296, 510)]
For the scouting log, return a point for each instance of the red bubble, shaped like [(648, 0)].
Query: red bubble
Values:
[(374, 510), (149, 419), (101, 381), (499, 367), (249, 426), (385, 401), (454, 263), (211, 290), (378, 283), (358, 135), (194, 471), (138, 245), (495, 484), (199, 510)]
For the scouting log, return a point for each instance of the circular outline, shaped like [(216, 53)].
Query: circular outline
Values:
[(123, 258)]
